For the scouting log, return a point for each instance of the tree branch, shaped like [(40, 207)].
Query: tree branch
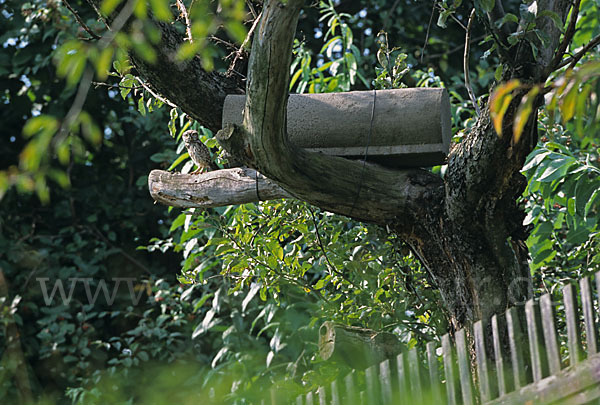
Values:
[(466, 64), (80, 21), (567, 38), (572, 61), (199, 93), (213, 189)]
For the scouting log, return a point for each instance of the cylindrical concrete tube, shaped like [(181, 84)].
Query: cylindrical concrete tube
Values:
[(397, 128)]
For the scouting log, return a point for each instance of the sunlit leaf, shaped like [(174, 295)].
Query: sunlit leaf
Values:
[(161, 10), (103, 63), (569, 101), (500, 101), (108, 6), (524, 112)]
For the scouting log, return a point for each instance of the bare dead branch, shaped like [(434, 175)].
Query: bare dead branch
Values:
[(186, 17), (466, 63)]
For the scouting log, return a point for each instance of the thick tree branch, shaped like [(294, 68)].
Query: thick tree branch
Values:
[(197, 92), (213, 189)]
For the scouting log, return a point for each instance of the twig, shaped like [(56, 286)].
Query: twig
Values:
[(86, 79), (222, 41), (466, 63), (456, 20), (428, 30), (117, 86), (186, 17), (121, 251), (99, 14), (149, 90), (320, 243), (251, 8), (453, 50), (80, 21), (567, 38), (141, 86), (386, 23), (239, 52), (577, 57)]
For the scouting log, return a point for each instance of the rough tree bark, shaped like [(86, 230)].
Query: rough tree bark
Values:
[(466, 229)]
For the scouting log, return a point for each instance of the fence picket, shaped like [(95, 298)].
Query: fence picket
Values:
[(533, 357), (351, 389), (573, 328), (486, 390), (550, 335), (403, 391), (539, 365), (449, 370), (335, 393), (498, 331), (587, 304), (322, 396), (385, 381), (464, 369), (434, 378), (372, 384), (414, 366), (273, 394), (516, 339)]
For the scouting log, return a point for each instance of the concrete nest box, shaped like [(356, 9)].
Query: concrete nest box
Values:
[(396, 128)]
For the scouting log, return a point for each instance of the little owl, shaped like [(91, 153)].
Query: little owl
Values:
[(198, 152)]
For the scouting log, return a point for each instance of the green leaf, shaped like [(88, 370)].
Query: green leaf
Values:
[(126, 85), (498, 72), (320, 284), (487, 5), (352, 66), (161, 10), (178, 161), (108, 6), (578, 235), (557, 168), (103, 63), (592, 201), (583, 194), (178, 222), (554, 17), (508, 18), (141, 106)]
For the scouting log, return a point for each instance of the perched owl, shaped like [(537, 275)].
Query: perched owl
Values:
[(198, 152)]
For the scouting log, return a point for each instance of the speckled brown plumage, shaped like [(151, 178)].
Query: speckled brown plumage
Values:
[(198, 152)]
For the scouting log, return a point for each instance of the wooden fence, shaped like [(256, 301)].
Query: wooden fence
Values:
[(550, 362)]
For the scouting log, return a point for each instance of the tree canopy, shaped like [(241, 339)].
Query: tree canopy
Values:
[(98, 93)]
